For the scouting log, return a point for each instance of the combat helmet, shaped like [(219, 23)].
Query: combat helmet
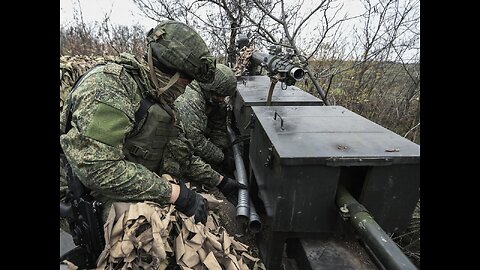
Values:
[(224, 84), (176, 47)]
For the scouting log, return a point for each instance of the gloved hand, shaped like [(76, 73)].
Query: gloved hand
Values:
[(228, 163), (229, 188), (191, 203)]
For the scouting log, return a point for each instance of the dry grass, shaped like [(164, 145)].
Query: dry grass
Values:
[(409, 240)]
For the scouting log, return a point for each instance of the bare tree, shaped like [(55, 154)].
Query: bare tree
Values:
[(382, 79), (220, 20), (79, 38), (271, 22), (372, 69), (100, 39), (291, 21)]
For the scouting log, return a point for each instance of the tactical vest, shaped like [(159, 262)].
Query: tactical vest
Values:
[(153, 129)]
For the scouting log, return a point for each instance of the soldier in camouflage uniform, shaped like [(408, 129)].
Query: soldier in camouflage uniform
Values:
[(204, 112), (120, 116)]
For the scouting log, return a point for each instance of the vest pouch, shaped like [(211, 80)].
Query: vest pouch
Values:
[(147, 144)]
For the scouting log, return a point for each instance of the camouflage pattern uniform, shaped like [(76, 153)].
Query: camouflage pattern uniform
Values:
[(119, 117), (204, 123), (208, 133), (180, 161), (104, 105), (72, 68)]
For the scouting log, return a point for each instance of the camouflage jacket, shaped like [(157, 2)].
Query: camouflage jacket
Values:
[(208, 133), (104, 105)]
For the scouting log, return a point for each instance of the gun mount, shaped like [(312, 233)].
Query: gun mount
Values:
[(284, 66), (300, 155), (312, 170)]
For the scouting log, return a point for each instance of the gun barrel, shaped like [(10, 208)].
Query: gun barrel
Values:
[(289, 71), (297, 73), (384, 248)]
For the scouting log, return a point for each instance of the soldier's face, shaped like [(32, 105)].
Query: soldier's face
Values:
[(217, 99)]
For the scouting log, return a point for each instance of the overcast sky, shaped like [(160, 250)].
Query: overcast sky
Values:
[(125, 12)]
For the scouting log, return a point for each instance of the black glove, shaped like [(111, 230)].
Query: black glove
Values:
[(229, 188), (228, 162), (191, 203)]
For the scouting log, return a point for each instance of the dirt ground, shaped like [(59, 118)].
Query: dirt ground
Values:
[(227, 213)]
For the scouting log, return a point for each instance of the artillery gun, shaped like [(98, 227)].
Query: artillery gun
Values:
[(326, 185)]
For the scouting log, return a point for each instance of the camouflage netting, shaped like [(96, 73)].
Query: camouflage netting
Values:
[(148, 236), (72, 67), (243, 60)]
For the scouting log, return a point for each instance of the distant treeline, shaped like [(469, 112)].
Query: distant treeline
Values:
[(387, 93)]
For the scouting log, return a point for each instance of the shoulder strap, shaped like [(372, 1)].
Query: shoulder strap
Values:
[(145, 104)]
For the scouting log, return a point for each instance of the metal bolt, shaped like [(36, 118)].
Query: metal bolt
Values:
[(344, 209)]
